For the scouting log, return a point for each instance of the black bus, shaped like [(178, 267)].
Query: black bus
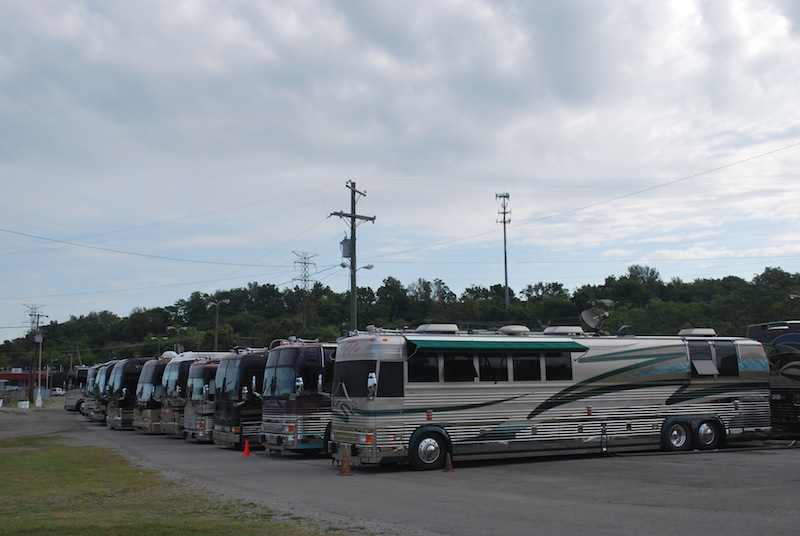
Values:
[(781, 342), (296, 413), (237, 404), (122, 392)]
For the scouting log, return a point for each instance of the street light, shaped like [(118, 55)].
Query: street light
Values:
[(354, 291), (178, 330), (159, 339), (216, 321)]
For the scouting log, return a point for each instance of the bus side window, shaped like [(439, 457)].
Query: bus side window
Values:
[(390, 379), (557, 367), (526, 368), (459, 368), (727, 362), (493, 368), (702, 364), (423, 367)]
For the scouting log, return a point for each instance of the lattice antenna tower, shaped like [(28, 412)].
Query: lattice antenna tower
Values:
[(305, 264), (35, 317)]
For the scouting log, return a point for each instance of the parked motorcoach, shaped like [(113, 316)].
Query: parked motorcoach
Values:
[(101, 392), (88, 391), (122, 392), (174, 382), (237, 405), (421, 396), (149, 392), (198, 413), (76, 384), (781, 341), (296, 401)]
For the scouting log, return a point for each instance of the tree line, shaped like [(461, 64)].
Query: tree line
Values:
[(255, 315)]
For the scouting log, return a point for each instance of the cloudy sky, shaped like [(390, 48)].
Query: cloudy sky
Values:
[(151, 149)]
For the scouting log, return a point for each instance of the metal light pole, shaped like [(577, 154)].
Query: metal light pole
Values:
[(159, 339), (354, 288), (216, 321), (178, 329)]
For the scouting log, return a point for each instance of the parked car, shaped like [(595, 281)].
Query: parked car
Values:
[(57, 391)]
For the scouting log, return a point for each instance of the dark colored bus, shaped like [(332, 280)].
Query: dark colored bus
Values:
[(781, 341), (101, 392), (296, 401), (198, 413), (237, 405), (149, 392), (122, 392)]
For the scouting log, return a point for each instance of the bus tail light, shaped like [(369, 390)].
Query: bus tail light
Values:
[(365, 438)]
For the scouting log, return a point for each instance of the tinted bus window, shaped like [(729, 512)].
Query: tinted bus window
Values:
[(557, 367), (526, 368), (422, 367), (493, 368), (459, 368)]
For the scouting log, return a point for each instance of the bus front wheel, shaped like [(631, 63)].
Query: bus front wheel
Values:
[(677, 436), (428, 451)]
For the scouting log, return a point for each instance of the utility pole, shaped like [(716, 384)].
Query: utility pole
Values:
[(504, 197), (351, 253), (35, 316)]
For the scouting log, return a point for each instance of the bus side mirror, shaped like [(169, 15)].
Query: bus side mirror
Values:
[(124, 393), (299, 385), (372, 384)]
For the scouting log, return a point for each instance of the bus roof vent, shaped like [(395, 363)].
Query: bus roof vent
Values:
[(437, 328), (563, 330), (514, 330), (697, 332)]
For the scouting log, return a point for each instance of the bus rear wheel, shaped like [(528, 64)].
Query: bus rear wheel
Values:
[(428, 452), (708, 435), (677, 437)]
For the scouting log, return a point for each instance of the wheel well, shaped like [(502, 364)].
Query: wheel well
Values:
[(693, 422), (431, 429)]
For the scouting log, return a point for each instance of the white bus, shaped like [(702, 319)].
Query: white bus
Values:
[(418, 396)]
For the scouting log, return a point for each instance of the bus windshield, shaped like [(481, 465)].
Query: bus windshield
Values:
[(350, 377), (229, 386)]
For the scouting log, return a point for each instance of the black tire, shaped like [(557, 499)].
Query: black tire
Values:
[(708, 435), (677, 437), (79, 407), (428, 452)]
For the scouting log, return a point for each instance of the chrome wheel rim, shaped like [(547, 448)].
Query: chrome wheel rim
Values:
[(428, 450), (678, 436)]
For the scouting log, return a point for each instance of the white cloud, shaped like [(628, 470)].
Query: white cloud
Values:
[(225, 132)]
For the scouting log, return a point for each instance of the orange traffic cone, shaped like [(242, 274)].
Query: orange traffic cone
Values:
[(345, 469), (246, 448), (448, 463)]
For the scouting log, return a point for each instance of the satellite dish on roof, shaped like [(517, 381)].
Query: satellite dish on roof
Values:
[(593, 319)]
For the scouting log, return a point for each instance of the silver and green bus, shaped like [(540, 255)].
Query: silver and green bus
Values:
[(149, 394), (421, 396)]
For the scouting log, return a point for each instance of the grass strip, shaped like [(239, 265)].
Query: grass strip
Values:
[(49, 488)]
